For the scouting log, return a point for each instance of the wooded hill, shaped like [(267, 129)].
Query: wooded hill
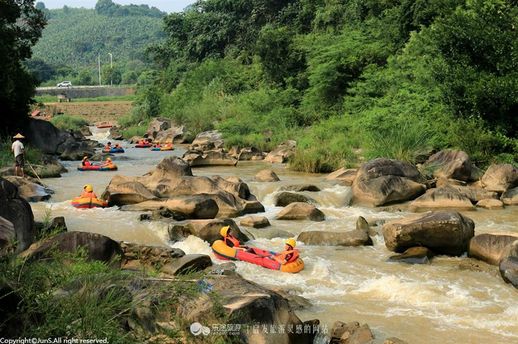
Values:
[(74, 37)]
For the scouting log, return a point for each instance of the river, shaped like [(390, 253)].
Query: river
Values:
[(443, 302)]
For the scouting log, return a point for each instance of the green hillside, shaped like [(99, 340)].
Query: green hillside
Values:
[(74, 37)]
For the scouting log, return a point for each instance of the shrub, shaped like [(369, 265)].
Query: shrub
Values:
[(66, 122)]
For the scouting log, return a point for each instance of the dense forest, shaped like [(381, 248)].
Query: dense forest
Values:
[(74, 38), (348, 79)]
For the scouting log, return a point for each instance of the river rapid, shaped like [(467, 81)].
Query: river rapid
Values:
[(447, 301)]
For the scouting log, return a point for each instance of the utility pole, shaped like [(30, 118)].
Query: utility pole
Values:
[(111, 69), (99, 67)]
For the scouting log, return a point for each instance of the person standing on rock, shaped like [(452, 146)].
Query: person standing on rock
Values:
[(19, 152)]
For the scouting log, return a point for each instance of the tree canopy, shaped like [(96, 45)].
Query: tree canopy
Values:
[(21, 25)]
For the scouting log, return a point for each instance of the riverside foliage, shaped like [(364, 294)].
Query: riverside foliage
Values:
[(346, 79)]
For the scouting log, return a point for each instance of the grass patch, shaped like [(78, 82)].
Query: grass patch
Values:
[(67, 122)]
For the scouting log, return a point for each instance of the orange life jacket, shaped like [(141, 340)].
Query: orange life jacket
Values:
[(85, 194), (230, 241), (287, 256)]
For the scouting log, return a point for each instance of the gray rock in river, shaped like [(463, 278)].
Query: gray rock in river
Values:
[(285, 198), (266, 176), (300, 188), (301, 211), (509, 270), (207, 230), (358, 237), (451, 164), (383, 181), (255, 222), (442, 232)]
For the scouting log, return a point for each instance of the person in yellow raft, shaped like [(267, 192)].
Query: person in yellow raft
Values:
[(230, 240), (289, 254), (107, 163), (88, 192)]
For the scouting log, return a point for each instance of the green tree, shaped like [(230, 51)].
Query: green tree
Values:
[(20, 27)]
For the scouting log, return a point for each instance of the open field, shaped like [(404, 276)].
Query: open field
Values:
[(92, 111)]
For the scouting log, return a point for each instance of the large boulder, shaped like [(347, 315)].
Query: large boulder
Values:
[(383, 181), (171, 185), (51, 140), (207, 140), (301, 188), (28, 190), (255, 222), (451, 164), (442, 232), (508, 268), (209, 158), (125, 190), (345, 176), (192, 207), (17, 211), (357, 237), (249, 153), (351, 333), (138, 257), (207, 230), (7, 234), (46, 136), (187, 264), (491, 248), (157, 125), (500, 177), (282, 153), (285, 198), (266, 176), (301, 211), (245, 302), (96, 246), (446, 197), (510, 197)]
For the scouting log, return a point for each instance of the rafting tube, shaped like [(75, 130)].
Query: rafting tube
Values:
[(88, 202), (97, 168), (156, 149), (257, 257), (114, 150), (143, 145)]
